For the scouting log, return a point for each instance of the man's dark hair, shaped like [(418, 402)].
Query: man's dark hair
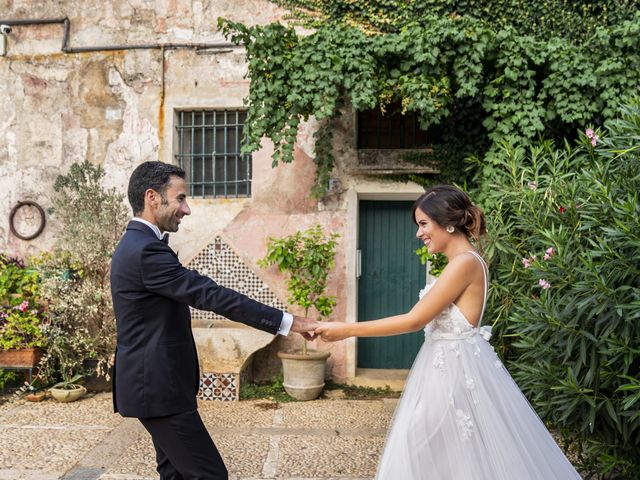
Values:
[(155, 175)]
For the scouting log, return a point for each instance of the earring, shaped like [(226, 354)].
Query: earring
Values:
[(451, 229)]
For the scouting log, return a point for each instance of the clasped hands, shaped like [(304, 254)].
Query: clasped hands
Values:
[(310, 329)]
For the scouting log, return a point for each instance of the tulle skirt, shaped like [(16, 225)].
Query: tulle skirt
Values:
[(462, 417)]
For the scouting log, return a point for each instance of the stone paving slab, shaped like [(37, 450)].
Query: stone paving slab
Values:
[(338, 414), (259, 440), (326, 457)]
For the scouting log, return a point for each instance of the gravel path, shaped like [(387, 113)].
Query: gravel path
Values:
[(259, 439)]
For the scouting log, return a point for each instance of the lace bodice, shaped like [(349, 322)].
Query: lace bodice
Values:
[(451, 323)]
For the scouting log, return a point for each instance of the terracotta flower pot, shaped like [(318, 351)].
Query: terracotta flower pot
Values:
[(23, 358), (36, 396)]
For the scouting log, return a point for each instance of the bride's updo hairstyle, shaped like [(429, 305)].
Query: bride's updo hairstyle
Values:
[(449, 206)]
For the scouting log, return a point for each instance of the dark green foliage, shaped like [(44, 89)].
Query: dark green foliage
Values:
[(353, 392), (464, 73), (272, 391), (22, 311), (573, 19), (574, 347), (7, 378), (275, 391), (307, 257)]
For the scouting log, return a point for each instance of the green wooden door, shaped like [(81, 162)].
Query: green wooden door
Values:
[(391, 277)]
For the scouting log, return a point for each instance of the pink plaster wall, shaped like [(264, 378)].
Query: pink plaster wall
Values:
[(280, 206)]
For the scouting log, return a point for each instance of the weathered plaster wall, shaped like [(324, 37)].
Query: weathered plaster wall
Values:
[(106, 107), (117, 109)]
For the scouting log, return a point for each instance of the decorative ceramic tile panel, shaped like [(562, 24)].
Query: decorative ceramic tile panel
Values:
[(218, 261), (219, 386)]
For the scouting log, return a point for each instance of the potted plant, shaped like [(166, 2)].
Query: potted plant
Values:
[(21, 316), (68, 390), (307, 258), (75, 276)]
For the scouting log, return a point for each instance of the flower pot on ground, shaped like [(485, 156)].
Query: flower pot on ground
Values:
[(304, 374), (307, 257), (36, 396), (69, 394), (67, 390)]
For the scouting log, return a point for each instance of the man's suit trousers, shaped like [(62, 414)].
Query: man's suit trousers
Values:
[(184, 448)]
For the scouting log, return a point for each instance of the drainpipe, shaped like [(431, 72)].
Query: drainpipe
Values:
[(105, 48)]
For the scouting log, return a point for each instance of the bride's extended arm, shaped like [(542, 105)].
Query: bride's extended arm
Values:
[(455, 278)]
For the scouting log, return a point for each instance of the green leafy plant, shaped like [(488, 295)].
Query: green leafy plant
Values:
[(75, 278), (354, 392), (69, 384), (21, 327), (437, 261), (22, 313), (272, 391), (7, 377), (548, 68), (565, 250), (307, 258)]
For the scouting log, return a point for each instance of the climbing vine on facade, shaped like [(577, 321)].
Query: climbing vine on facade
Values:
[(530, 78)]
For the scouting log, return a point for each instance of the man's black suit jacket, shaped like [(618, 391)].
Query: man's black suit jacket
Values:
[(156, 369)]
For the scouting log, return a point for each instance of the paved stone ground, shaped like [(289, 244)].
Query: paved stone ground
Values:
[(259, 439)]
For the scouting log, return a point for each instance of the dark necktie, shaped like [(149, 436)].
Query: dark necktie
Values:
[(165, 239)]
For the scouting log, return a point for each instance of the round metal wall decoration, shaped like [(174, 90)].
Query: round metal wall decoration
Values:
[(29, 216)]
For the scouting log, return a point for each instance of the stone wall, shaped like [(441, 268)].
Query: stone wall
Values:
[(117, 109)]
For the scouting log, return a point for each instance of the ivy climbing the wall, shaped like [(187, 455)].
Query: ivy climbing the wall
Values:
[(544, 72)]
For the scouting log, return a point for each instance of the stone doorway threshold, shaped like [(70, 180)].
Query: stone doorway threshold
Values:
[(379, 378)]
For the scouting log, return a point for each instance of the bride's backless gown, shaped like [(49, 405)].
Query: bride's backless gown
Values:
[(462, 417)]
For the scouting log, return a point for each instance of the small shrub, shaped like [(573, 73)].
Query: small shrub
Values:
[(307, 258), (91, 220)]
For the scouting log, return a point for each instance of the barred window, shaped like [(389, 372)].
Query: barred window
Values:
[(391, 130), (209, 143)]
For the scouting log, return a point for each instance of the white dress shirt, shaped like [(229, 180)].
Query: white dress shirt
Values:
[(287, 318)]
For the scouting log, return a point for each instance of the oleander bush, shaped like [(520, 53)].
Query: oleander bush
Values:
[(565, 251)]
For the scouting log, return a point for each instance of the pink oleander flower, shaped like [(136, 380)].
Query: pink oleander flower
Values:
[(562, 209), (528, 261), (549, 253), (544, 284), (591, 136), (23, 306)]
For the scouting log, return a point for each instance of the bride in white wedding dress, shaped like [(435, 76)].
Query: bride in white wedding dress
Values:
[(461, 416)]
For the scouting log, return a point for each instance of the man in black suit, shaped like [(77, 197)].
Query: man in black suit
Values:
[(156, 364)]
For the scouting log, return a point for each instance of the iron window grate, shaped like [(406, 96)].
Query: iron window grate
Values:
[(209, 143)]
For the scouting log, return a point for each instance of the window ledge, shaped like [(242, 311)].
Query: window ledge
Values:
[(395, 161)]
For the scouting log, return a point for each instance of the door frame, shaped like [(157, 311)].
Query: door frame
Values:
[(365, 191)]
